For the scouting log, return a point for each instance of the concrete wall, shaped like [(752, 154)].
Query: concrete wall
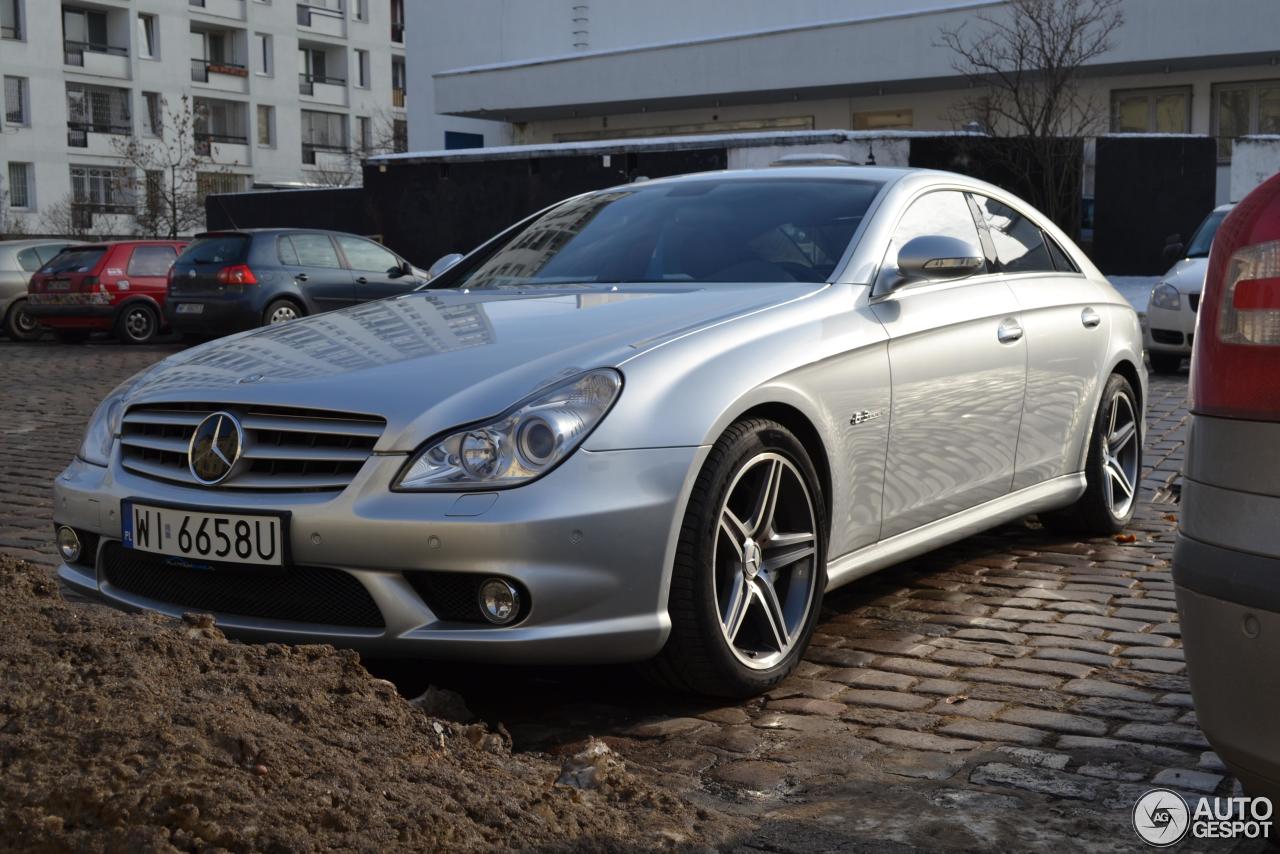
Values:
[(1253, 160)]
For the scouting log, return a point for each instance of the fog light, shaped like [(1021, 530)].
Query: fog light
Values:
[(68, 544), (499, 601)]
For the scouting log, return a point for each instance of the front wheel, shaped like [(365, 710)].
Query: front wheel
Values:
[(1113, 468), (19, 323), (750, 566)]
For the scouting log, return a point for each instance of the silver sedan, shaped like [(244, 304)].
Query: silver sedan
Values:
[(653, 423)]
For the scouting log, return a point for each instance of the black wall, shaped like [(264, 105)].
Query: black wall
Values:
[(342, 209), (1147, 189), (432, 208)]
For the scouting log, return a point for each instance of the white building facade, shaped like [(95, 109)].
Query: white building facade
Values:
[(281, 93), (544, 71)]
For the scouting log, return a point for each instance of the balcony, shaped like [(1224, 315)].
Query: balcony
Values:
[(331, 157), (233, 9), (8, 32), (222, 147), (95, 137), (323, 90), (101, 59), (317, 19), (223, 76), (397, 97)]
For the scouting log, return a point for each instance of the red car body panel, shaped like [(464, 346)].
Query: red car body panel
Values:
[(90, 295)]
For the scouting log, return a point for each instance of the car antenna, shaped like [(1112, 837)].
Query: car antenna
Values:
[(227, 213)]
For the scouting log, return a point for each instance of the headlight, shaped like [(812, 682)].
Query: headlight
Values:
[(1165, 295), (104, 426), (520, 445)]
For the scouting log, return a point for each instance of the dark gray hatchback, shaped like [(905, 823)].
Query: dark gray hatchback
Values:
[(229, 281)]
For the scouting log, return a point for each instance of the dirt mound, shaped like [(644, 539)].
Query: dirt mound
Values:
[(134, 733)]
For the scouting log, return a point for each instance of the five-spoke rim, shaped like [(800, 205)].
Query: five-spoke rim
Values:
[(138, 324), (283, 314), (1120, 454), (765, 560)]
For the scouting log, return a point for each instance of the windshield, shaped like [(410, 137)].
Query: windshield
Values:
[(74, 260), (1203, 238), (758, 230)]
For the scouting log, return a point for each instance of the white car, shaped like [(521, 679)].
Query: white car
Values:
[(1171, 311)]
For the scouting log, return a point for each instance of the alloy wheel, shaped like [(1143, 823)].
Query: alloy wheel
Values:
[(283, 314), (765, 560), (139, 325), (1120, 454), (23, 322)]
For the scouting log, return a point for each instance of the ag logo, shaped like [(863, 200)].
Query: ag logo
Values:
[(1161, 817)]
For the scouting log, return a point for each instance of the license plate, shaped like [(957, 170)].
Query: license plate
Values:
[(222, 537), (58, 285), (191, 308)]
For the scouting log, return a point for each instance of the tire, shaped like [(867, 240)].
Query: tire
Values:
[(19, 325), (71, 336), (138, 323), (714, 568), (1105, 508), (281, 311), (1165, 363)]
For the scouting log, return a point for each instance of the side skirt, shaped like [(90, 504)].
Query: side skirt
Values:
[(1048, 495)]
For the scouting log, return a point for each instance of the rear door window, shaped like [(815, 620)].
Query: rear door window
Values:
[(216, 249), (1061, 260), (151, 260), (75, 260), (1020, 246), (367, 256), (314, 250)]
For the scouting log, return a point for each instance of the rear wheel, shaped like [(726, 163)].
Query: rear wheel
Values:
[(19, 323), (1113, 468), (1165, 363), (137, 324), (750, 566), (281, 311), (71, 336)]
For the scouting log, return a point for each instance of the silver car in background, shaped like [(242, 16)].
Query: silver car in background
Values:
[(18, 260), (651, 423), (1175, 299)]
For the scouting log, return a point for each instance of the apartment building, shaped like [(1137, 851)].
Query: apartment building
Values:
[(279, 93)]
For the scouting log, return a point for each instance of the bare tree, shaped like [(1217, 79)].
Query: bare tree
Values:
[(175, 165), (1024, 61), (65, 218)]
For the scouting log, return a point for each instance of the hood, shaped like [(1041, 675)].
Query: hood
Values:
[(432, 360), (1187, 276)]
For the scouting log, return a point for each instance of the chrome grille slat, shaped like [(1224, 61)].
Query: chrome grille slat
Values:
[(285, 450)]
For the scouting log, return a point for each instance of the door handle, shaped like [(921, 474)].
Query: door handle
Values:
[(361, 280), (1009, 330), (1090, 318), (301, 277)]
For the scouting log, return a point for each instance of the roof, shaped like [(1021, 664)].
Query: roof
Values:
[(36, 241)]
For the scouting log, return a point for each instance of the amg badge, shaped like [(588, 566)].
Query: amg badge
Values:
[(864, 416)]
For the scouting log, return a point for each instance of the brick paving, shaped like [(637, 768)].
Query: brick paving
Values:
[(1010, 691)]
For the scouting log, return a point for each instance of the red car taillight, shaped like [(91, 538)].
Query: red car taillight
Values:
[(1235, 366), (240, 274)]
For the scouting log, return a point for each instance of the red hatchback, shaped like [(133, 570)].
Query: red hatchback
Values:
[(105, 287)]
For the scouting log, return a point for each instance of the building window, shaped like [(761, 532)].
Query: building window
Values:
[(322, 132), (364, 133), (884, 120), (1240, 109), (101, 189), (362, 68), (397, 21), (148, 37), (262, 55), (211, 183), (360, 10), (16, 99), (219, 122), (21, 192), (398, 78), (1151, 110), (266, 126), (399, 136), (97, 109), (461, 139), (10, 19), (152, 114), (85, 31)]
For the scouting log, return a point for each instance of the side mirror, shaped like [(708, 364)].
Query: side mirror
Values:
[(935, 257), (1174, 248), (444, 263), (404, 268)]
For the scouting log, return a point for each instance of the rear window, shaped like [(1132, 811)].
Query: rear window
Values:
[(216, 249), (75, 260), (151, 260), (29, 260)]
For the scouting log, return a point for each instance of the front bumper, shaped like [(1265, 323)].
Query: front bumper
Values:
[(1171, 330), (592, 543), (1229, 608)]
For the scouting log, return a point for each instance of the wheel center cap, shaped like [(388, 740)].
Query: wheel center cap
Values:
[(751, 558)]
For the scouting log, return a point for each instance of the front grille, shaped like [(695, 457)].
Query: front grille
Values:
[(315, 595), (285, 449), (1166, 336), (455, 596), (1194, 301)]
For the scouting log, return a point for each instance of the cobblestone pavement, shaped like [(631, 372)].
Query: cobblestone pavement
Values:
[(1011, 691)]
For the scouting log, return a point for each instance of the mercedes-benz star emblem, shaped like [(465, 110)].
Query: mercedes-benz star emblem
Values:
[(215, 448)]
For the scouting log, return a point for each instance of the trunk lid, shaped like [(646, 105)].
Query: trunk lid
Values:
[(195, 273)]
